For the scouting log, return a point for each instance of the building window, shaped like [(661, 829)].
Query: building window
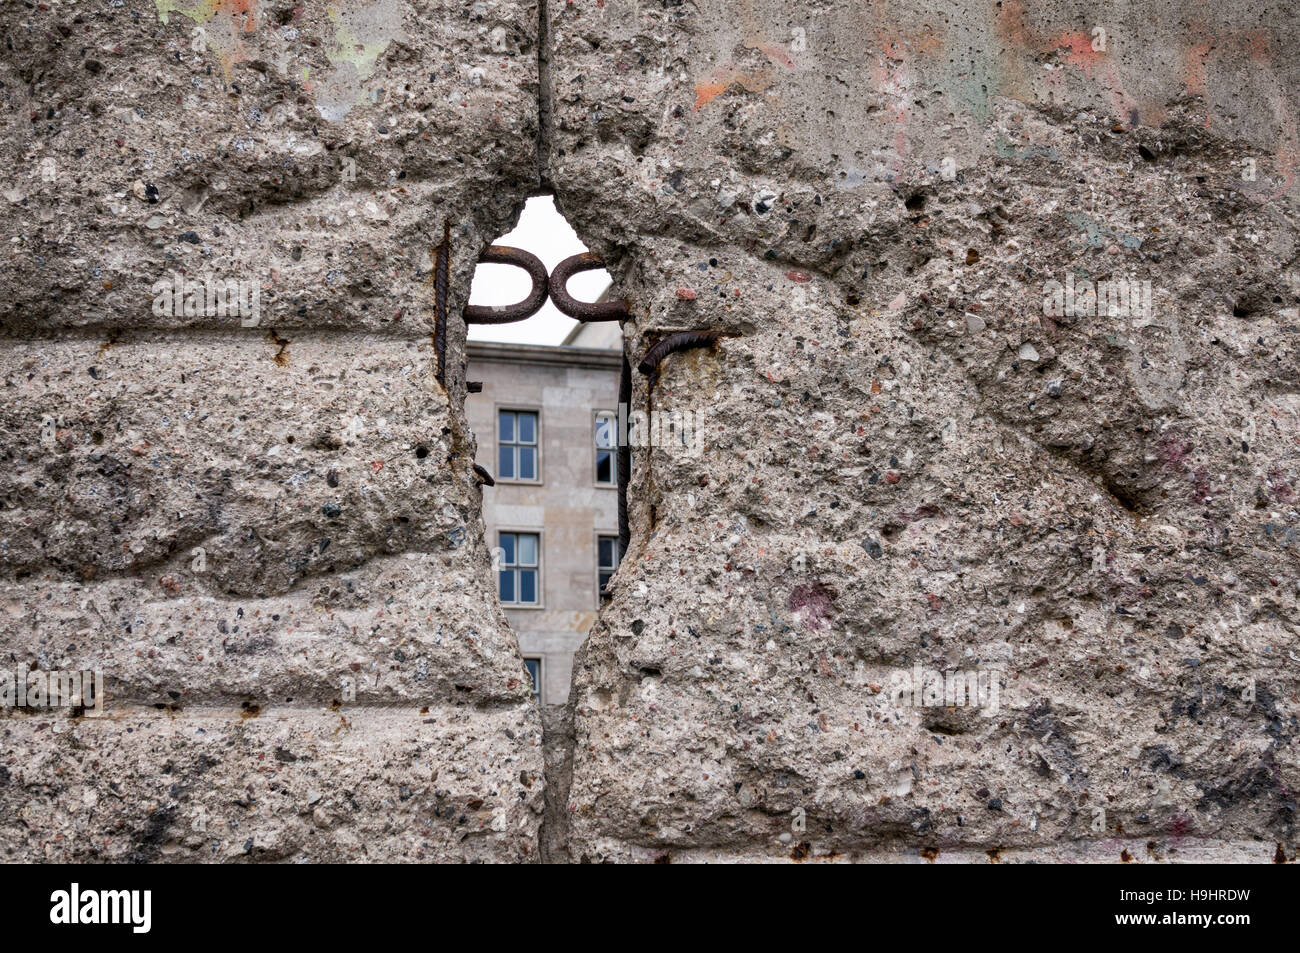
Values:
[(517, 445), (517, 579), (607, 557), (606, 448), (535, 670)]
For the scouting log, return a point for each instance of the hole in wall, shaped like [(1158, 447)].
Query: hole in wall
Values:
[(540, 425), (542, 230)]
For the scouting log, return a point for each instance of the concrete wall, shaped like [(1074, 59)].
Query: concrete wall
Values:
[(566, 386), (333, 679), (913, 461)]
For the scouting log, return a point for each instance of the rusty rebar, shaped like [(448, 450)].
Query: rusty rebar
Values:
[(440, 268), (624, 456), (681, 341), (616, 310), (484, 477), (508, 313)]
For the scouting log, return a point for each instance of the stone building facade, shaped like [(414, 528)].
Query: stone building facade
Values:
[(566, 503)]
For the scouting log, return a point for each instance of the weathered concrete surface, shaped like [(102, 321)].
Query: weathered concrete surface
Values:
[(270, 513), (909, 461), (557, 732), (292, 784), (318, 149)]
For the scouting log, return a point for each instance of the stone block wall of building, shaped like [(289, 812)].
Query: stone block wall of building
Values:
[(566, 508)]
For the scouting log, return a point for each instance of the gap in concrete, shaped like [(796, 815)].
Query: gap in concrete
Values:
[(570, 501), (542, 230)]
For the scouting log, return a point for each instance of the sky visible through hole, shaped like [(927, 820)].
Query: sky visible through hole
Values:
[(543, 231)]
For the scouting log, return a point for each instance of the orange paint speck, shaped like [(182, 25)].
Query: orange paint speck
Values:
[(1258, 41), (707, 91), (1081, 53), (1194, 67), (245, 10), (1011, 24)]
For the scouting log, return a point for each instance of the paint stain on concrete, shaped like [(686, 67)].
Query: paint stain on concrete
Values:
[(220, 25), (712, 86), (362, 33)]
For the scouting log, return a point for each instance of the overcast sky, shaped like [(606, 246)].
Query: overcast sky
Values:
[(544, 232)]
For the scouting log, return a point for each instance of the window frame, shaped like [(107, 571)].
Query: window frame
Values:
[(511, 408), (541, 676), (541, 588), (597, 537), (596, 415)]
